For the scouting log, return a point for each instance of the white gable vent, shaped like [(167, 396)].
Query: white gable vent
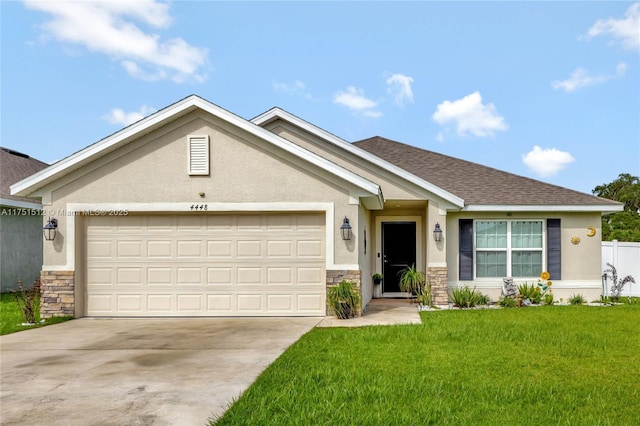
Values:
[(198, 161)]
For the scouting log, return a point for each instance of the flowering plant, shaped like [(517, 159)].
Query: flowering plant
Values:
[(544, 285)]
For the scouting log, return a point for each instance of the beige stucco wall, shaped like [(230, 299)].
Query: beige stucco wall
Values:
[(153, 169), (580, 262), (392, 188)]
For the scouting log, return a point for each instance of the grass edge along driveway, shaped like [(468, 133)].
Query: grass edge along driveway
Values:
[(544, 365), (11, 317)]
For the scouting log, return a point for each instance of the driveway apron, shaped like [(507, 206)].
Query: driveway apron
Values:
[(137, 371)]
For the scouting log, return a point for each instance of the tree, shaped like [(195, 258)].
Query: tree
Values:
[(625, 225)]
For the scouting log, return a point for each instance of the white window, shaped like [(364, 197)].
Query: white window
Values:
[(509, 248), (198, 155)]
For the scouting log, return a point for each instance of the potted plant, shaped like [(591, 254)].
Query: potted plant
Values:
[(377, 278), (411, 280), (343, 299)]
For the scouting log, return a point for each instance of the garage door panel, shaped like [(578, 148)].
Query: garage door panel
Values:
[(219, 249), (206, 264), (252, 276), (279, 275), (160, 248), (189, 276), (279, 248), (309, 275), (190, 302), (310, 248), (190, 248), (129, 276), (131, 303), (249, 248), (160, 303), (249, 303), (221, 275), (280, 303), (99, 276), (221, 303), (310, 302), (129, 249), (100, 303), (160, 276)]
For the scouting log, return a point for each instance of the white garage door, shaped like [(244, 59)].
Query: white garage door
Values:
[(206, 265)]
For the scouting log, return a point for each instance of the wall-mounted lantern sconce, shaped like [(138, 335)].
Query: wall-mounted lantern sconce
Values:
[(437, 233), (50, 229), (345, 229)]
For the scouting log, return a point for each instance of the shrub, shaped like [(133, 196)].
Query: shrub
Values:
[(548, 299), (344, 299), (484, 299), (530, 292), (464, 297), (412, 280), (576, 299), (508, 302), (424, 295), (27, 300)]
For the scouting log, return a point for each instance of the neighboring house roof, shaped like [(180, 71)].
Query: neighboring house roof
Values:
[(373, 199), (482, 187), (15, 166)]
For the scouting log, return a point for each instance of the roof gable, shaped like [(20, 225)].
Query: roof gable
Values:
[(482, 187), (73, 162), (275, 114)]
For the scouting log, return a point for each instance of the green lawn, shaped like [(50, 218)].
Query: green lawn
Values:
[(11, 316), (569, 365)]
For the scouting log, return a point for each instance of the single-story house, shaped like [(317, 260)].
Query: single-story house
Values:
[(195, 211), (20, 223)]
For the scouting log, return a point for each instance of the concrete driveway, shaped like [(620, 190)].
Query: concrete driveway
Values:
[(136, 371)]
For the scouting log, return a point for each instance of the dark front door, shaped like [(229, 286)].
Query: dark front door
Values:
[(398, 252)]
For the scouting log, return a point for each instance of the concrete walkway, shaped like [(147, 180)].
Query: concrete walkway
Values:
[(379, 312)]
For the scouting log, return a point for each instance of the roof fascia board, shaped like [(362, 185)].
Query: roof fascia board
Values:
[(543, 208), (24, 186), (276, 113), (20, 204), (20, 187)]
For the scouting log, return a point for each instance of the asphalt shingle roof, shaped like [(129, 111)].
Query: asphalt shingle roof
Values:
[(15, 166), (475, 183)]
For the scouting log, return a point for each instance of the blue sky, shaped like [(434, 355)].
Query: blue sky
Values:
[(546, 90)]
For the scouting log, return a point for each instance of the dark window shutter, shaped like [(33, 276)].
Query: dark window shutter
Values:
[(554, 251), (465, 271)]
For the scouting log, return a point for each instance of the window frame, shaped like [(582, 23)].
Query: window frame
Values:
[(509, 249)]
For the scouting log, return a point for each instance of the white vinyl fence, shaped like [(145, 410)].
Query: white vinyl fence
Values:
[(626, 258)]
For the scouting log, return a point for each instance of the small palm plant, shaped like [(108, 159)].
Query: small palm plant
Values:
[(618, 285), (344, 299), (412, 280)]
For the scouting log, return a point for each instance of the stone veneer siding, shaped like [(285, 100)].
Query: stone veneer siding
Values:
[(57, 294), (335, 277), (438, 277)]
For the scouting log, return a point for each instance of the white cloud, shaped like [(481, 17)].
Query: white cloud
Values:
[(400, 88), (470, 116), (546, 161), (626, 30), (119, 116), (580, 78), (111, 28), (372, 113), (621, 69), (354, 99), (297, 88)]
